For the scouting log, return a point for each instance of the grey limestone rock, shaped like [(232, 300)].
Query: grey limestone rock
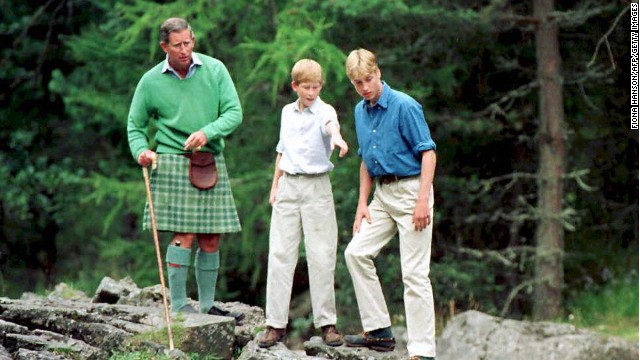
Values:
[(473, 335), (122, 317)]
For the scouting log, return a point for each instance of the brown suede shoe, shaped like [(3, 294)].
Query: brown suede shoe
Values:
[(271, 337), (331, 336)]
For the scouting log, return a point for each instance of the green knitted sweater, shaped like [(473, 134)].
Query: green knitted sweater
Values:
[(206, 101)]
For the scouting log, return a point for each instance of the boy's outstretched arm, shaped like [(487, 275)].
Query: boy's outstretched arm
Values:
[(336, 138)]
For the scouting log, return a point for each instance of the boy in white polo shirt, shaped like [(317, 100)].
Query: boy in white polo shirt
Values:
[(302, 204)]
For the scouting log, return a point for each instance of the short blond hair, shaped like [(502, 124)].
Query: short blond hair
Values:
[(306, 70), (361, 63)]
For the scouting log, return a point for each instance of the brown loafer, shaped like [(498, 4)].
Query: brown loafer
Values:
[(331, 336), (271, 337)]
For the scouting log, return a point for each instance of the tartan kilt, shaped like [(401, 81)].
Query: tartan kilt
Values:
[(180, 207)]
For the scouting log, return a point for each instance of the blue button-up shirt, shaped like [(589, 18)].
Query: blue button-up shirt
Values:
[(392, 134)]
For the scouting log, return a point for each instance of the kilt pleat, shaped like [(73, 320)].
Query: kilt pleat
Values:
[(180, 207)]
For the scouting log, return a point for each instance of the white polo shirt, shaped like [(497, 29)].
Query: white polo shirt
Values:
[(304, 142)]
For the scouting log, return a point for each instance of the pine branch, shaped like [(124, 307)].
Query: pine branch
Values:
[(504, 257), (605, 39), (515, 291), (563, 19), (42, 10)]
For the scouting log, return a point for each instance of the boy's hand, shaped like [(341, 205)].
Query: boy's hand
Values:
[(361, 213), (421, 215), (272, 196), (339, 142)]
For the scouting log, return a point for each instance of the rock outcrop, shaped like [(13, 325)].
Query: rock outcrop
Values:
[(476, 336), (122, 318)]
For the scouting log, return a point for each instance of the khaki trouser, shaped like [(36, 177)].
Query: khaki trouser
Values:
[(391, 212), (304, 206)]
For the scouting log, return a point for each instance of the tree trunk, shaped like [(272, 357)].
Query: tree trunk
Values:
[(549, 271)]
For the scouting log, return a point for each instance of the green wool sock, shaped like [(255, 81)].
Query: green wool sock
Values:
[(382, 333), (178, 261), (207, 265)]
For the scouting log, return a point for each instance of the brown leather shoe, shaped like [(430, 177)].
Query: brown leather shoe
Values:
[(271, 337), (331, 336)]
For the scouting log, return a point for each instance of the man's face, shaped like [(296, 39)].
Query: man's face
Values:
[(307, 92), (179, 49), (369, 87)]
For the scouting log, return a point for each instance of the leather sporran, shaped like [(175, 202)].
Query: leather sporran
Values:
[(203, 172)]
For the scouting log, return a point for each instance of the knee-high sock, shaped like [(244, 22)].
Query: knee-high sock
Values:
[(207, 265), (178, 261)]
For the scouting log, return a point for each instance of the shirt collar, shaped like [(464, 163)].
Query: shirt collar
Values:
[(313, 108), (166, 67), (383, 101)]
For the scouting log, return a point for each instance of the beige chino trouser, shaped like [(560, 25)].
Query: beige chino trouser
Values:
[(391, 212), (304, 206)]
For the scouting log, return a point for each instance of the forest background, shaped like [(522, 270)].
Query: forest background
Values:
[(72, 196)]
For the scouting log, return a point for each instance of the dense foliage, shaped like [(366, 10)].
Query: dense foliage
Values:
[(72, 197)]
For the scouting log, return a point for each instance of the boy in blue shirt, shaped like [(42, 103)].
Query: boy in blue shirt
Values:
[(398, 155)]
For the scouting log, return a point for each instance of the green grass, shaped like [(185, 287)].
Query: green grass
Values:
[(136, 356), (161, 337), (611, 309)]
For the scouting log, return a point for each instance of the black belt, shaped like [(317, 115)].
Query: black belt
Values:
[(304, 175), (388, 179)]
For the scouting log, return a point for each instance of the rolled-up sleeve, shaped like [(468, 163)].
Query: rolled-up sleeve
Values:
[(415, 130)]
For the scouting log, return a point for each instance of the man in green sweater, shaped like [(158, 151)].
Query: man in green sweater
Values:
[(195, 105)]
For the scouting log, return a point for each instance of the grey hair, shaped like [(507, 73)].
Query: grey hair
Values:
[(173, 25)]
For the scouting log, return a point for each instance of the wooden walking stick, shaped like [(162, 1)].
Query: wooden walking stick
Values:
[(147, 182)]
